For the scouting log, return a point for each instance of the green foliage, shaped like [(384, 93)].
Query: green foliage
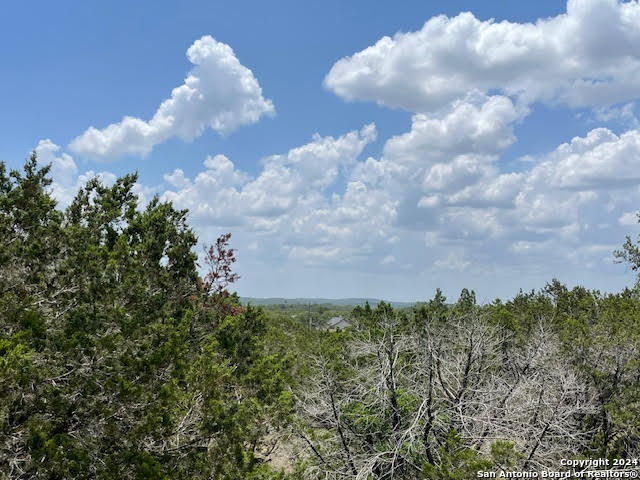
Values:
[(630, 252), (457, 461), (505, 456), (115, 362), (466, 304)]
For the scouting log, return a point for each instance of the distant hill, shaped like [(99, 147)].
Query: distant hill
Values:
[(319, 301)]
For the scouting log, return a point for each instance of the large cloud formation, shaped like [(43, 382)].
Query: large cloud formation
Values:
[(286, 183), (438, 202), (450, 209), (586, 57), (218, 93)]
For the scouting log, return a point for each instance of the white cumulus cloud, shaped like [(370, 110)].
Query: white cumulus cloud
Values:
[(588, 56), (218, 93), (297, 179)]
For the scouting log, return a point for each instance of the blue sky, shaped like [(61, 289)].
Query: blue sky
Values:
[(347, 160)]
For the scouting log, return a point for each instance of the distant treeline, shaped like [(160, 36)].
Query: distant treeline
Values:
[(347, 302)]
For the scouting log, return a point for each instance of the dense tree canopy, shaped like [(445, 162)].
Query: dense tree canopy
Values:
[(120, 360), (115, 360)]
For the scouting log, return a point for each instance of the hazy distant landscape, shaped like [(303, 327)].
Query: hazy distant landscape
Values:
[(320, 301)]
